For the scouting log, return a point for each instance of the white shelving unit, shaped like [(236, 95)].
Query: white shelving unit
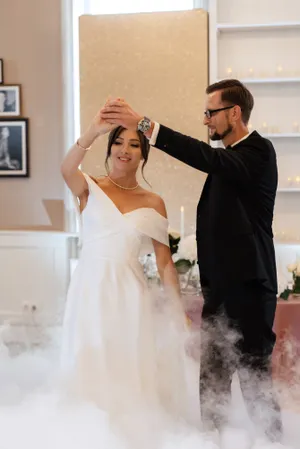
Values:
[(257, 43)]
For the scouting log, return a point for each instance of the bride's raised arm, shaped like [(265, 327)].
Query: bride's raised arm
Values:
[(69, 167)]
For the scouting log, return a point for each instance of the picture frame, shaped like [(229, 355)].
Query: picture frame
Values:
[(10, 100), (14, 151), (1, 71)]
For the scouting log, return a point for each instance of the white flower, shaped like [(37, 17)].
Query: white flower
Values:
[(187, 248), (175, 257), (292, 267), (175, 234)]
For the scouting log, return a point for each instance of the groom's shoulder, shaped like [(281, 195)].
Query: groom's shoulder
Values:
[(256, 143), (257, 140)]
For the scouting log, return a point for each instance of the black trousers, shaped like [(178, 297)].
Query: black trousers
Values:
[(237, 336)]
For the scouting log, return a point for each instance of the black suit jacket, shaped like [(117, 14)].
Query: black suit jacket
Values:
[(235, 211)]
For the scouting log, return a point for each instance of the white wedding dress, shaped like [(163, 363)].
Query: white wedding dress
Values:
[(123, 346)]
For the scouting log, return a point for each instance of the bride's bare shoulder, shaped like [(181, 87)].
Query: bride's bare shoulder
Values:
[(155, 201)]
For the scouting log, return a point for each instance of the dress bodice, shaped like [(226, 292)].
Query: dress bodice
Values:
[(107, 232)]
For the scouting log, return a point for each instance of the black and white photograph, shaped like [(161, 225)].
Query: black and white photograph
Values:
[(10, 103), (14, 148), (1, 71)]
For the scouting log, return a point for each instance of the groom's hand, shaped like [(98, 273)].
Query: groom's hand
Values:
[(120, 113)]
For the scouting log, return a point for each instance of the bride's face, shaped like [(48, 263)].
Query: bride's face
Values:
[(126, 150)]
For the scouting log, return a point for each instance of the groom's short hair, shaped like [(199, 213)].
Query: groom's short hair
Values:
[(234, 92)]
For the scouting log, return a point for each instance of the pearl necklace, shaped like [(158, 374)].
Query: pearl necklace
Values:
[(122, 187)]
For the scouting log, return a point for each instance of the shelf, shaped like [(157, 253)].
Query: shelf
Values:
[(295, 79), (289, 190), (257, 26), (286, 243), (282, 135), (271, 80), (215, 144)]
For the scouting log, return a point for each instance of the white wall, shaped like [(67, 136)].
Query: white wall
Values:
[(34, 266), (33, 59)]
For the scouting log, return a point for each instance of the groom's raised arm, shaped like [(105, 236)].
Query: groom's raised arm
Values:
[(243, 163)]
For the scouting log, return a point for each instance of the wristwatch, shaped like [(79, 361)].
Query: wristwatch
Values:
[(144, 125)]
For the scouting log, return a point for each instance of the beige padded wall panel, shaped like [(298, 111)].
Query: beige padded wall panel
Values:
[(159, 63)]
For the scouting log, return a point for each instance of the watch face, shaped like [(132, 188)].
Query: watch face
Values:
[(144, 125)]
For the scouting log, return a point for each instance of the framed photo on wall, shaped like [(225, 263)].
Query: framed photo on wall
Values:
[(1, 71), (10, 100), (14, 147)]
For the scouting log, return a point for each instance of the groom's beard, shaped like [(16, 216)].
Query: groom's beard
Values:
[(217, 136)]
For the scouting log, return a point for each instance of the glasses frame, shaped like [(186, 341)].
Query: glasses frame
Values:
[(209, 112)]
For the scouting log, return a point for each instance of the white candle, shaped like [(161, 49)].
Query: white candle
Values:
[(181, 222)]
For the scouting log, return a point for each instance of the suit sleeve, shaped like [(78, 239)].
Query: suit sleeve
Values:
[(242, 164)]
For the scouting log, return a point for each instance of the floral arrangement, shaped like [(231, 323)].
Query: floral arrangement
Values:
[(295, 290), (186, 255)]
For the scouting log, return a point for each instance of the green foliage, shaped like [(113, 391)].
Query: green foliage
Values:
[(173, 242), (183, 266), (285, 294)]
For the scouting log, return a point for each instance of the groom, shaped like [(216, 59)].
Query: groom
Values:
[(235, 249)]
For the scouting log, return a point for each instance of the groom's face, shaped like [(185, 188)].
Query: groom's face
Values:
[(218, 122)]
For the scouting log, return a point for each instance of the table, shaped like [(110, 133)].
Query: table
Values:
[(287, 349)]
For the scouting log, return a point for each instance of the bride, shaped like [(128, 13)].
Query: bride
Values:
[(126, 381), (123, 346)]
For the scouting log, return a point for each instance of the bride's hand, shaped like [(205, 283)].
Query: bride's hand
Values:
[(119, 112), (99, 125)]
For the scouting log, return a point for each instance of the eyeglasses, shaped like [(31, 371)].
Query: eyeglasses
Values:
[(210, 112)]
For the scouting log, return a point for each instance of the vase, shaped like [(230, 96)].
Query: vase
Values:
[(189, 283)]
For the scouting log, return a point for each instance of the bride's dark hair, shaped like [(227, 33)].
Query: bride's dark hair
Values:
[(145, 147)]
